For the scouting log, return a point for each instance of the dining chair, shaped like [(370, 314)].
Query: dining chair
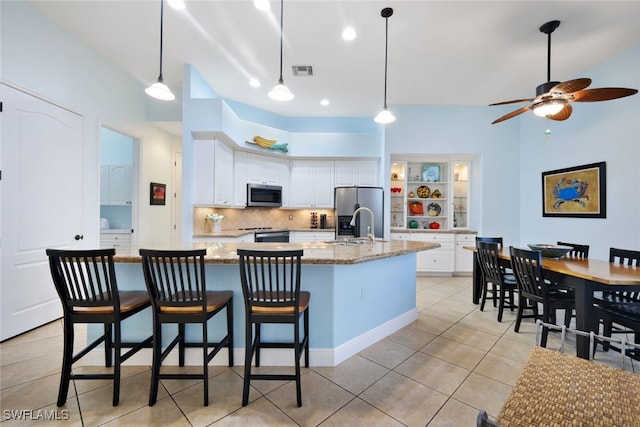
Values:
[(176, 282), (578, 251), (86, 284), (619, 311), (485, 285), (270, 282), (493, 272), (534, 290)]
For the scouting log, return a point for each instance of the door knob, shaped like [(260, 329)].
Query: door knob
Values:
[(78, 237)]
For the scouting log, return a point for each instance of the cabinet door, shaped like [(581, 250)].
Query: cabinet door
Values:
[(345, 174), (120, 185), (367, 172), (223, 175), (324, 187), (240, 178), (460, 203), (104, 184), (203, 171), (302, 184), (464, 257), (439, 260), (264, 169)]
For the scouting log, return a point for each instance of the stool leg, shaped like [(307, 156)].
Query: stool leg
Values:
[(116, 366), (181, 329), (306, 335), (67, 356), (297, 354), (205, 367), (248, 356), (230, 330), (155, 365), (108, 345), (257, 344)]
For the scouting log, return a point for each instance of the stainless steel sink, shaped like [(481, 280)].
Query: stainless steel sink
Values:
[(354, 242)]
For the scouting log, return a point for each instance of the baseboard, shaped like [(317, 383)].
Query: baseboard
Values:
[(272, 357)]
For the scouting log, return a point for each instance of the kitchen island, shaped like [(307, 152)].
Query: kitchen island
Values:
[(360, 293)]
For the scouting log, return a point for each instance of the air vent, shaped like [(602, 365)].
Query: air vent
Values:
[(302, 70)]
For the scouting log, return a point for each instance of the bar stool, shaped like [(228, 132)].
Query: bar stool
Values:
[(176, 283), (271, 288), (87, 286)]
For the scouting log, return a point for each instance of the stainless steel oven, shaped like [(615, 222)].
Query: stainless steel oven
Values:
[(271, 236), (264, 195)]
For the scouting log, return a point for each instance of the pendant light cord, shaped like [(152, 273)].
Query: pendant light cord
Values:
[(549, 57), (281, 81), (386, 48), (160, 79)]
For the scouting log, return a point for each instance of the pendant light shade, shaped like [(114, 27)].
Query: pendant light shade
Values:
[(385, 116), (159, 90), (280, 92)]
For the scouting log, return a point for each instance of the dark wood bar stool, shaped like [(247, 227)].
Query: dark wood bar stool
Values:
[(271, 288), (87, 286), (176, 283)]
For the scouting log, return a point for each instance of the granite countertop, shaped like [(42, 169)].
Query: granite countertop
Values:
[(314, 253), (239, 233)]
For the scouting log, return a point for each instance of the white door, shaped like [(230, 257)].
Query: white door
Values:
[(41, 197)]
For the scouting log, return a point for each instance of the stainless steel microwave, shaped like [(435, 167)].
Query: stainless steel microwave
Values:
[(264, 195)]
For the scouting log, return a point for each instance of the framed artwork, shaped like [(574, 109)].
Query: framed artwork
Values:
[(577, 192), (430, 172), (157, 194)]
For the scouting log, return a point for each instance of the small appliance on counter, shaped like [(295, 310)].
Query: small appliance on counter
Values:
[(314, 219), (323, 221)]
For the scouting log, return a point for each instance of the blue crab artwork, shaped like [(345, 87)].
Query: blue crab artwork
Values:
[(570, 190)]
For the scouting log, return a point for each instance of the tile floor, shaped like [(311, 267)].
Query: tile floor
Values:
[(438, 371)]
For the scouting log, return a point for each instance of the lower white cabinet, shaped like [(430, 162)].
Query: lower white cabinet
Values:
[(439, 260), (311, 236), (119, 241), (464, 257)]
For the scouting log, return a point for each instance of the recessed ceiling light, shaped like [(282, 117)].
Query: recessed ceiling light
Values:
[(349, 34), (177, 4), (324, 102), (254, 83), (262, 4)]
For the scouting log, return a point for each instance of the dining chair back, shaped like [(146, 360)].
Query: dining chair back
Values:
[(534, 290), (578, 251), (86, 284), (624, 256), (270, 282), (493, 272), (176, 282)]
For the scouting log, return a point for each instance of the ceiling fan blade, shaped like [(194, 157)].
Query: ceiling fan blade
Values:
[(602, 94), (515, 101), (564, 114), (572, 85), (512, 114)]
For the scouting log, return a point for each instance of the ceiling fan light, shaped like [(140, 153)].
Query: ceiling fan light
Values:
[(549, 108), (280, 93), (384, 117), (160, 91)]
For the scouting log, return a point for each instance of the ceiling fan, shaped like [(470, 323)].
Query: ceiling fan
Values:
[(553, 98)]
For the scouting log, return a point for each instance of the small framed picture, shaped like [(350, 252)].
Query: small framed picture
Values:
[(157, 194), (430, 172)]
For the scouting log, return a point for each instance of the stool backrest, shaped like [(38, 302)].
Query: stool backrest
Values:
[(175, 278), (84, 278), (270, 279)]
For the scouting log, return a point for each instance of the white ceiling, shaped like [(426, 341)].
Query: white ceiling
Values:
[(440, 52)]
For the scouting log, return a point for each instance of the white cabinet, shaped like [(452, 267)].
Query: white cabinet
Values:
[(120, 241), (115, 185), (464, 257), (311, 236), (460, 192), (312, 184), (213, 173), (240, 178), (356, 172), (438, 260), (270, 171)]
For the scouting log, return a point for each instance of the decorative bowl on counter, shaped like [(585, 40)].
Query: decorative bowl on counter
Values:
[(550, 251)]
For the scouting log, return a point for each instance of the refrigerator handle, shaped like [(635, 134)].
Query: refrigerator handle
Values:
[(356, 228)]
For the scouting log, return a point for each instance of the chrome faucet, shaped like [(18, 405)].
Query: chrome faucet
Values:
[(353, 222)]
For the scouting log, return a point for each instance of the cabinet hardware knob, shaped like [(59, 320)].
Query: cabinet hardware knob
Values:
[(78, 237)]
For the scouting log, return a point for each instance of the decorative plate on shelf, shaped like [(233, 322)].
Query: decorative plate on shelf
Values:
[(423, 191), (434, 209), (430, 172)]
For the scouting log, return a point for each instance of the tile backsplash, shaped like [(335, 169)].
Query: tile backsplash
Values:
[(259, 217)]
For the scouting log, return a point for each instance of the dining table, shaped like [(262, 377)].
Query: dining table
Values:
[(585, 276)]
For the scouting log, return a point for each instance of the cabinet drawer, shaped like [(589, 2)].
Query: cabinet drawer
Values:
[(432, 237), (466, 238), (400, 236)]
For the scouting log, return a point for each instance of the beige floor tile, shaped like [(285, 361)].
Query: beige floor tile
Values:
[(433, 324), (174, 386), (387, 353), (49, 330), (84, 386), (267, 386), (33, 394), (511, 349), (96, 405), (67, 416), (30, 369), (455, 414), (486, 322), (320, 399), (500, 368), (164, 413), (485, 393), (453, 352), (442, 376), (354, 374), (360, 413), (225, 397), (471, 337), (404, 399), (412, 337), (261, 412), (31, 349)]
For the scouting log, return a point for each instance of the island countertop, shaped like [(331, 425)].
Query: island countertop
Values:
[(314, 253)]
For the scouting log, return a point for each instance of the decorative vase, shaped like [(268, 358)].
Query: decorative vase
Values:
[(217, 226)]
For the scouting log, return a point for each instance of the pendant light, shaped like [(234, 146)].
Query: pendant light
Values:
[(385, 116), (280, 92), (159, 90)]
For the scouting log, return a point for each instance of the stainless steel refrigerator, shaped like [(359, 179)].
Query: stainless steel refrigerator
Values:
[(347, 200)]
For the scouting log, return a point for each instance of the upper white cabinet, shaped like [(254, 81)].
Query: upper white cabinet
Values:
[(356, 172), (312, 184), (267, 170), (115, 185), (240, 178), (213, 173)]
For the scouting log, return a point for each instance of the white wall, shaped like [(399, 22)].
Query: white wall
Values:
[(42, 59)]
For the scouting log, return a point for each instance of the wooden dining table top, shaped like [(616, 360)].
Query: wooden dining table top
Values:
[(595, 270)]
